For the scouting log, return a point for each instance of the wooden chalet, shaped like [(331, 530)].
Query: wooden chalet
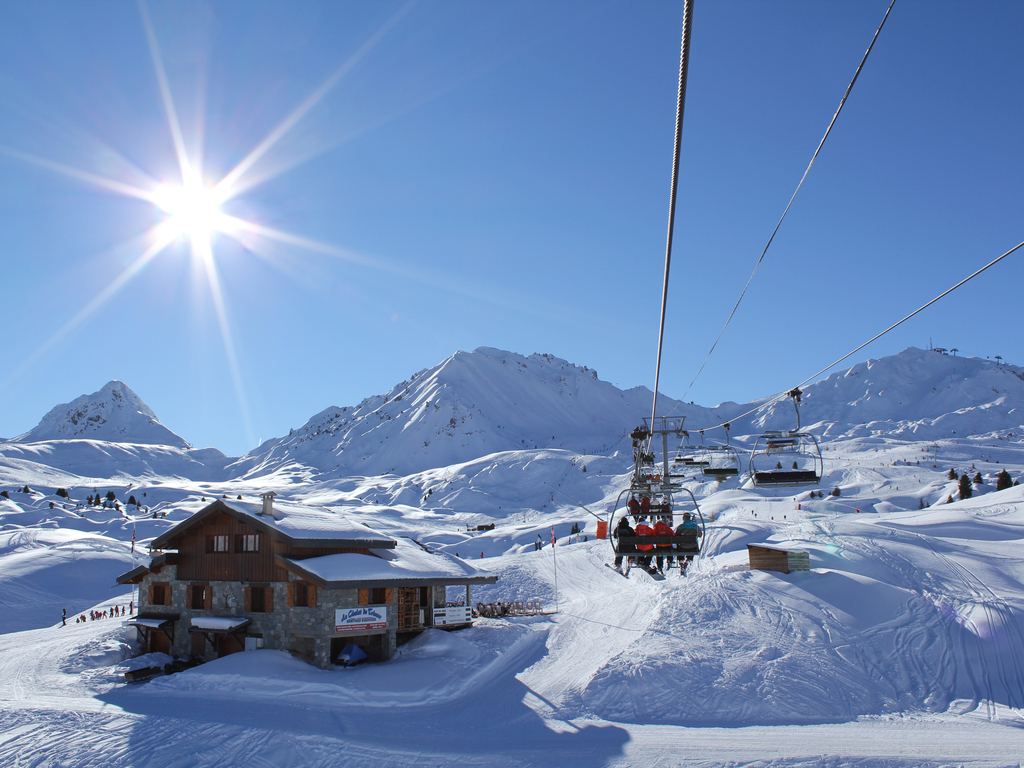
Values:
[(239, 575)]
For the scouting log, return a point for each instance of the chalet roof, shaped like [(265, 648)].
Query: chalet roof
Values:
[(134, 576), (297, 524), (407, 564)]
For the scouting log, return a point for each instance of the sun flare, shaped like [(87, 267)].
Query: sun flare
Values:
[(194, 210)]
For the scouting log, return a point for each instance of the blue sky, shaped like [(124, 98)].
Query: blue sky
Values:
[(496, 174)]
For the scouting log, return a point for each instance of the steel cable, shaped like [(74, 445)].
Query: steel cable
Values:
[(798, 186), (684, 58)]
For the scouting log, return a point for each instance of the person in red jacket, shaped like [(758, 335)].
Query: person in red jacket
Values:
[(643, 529), (662, 528), (645, 505), (634, 506)]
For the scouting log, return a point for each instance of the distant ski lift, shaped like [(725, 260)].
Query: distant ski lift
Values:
[(787, 457), (689, 456), (720, 460)]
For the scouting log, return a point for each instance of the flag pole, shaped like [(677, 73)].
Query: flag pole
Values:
[(554, 556), (133, 561)]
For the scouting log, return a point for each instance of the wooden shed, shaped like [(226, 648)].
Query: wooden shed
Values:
[(764, 558)]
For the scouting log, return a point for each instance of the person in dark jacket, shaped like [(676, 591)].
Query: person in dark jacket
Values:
[(623, 529), (691, 533)]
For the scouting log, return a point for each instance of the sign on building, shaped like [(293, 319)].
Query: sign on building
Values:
[(459, 614), (360, 619)]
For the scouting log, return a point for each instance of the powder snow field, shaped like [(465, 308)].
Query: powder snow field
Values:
[(902, 646)]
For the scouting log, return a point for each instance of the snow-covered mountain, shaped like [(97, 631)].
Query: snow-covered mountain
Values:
[(489, 401), (470, 405), (114, 414), (919, 394)]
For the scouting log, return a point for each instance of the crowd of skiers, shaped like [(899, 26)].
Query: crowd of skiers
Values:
[(642, 512)]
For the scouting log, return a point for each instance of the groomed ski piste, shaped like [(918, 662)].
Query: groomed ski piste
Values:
[(901, 646)]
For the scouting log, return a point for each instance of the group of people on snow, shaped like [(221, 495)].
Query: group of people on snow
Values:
[(642, 511), (94, 615)]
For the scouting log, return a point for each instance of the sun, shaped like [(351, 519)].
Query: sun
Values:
[(194, 210)]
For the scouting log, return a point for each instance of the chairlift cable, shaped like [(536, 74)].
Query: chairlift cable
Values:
[(776, 398), (803, 178), (684, 58)]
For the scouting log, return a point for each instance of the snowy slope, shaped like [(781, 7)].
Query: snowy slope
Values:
[(114, 414), (470, 405)]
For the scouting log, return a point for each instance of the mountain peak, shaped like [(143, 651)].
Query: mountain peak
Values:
[(114, 413)]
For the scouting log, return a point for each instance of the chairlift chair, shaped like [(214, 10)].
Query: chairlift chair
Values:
[(720, 460), (795, 453), (661, 487)]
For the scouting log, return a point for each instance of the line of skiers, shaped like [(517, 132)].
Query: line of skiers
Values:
[(114, 612), (688, 530)]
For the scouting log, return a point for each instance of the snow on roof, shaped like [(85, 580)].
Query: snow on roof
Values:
[(219, 623), (408, 562), (151, 623), (296, 523)]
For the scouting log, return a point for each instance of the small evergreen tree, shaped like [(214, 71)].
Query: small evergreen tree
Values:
[(978, 479), (952, 474), (965, 487), (5, 494), (62, 492), (1003, 481), (132, 501), (26, 489), (111, 496), (921, 504), (835, 491)]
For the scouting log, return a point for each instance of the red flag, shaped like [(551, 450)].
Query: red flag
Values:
[(552, 535)]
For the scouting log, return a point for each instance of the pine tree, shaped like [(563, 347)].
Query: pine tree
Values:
[(835, 491), (921, 504), (5, 494), (978, 479), (952, 474), (1003, 481), (62, 492), (965, 487), (133, 501)]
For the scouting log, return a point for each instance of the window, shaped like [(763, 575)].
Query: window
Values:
[(159, 594), (200, 597), (375, 596), (257, 600), (302, 595), (247, 542), (217, 543)]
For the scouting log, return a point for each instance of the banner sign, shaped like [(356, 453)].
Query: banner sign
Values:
[(360, 619), (460, 614)]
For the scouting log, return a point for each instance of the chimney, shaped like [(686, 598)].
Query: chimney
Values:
[(268, 503)]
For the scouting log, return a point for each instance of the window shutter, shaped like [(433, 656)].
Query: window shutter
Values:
[(291, 593), (268, 599), (311, 595), (364, 597), (248, 599), (208, 593), (389, 595), (150, 593)]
